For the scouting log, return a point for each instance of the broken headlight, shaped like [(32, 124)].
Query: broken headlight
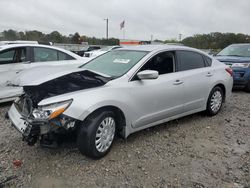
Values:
[(51, 111)]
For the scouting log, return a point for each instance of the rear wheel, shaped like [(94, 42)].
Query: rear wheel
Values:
[(96, 137), (215, 100)]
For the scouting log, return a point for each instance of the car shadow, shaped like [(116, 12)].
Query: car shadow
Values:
[(69, 141), (6, 104)]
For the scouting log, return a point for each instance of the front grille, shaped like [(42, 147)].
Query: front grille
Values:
[(24, 106)]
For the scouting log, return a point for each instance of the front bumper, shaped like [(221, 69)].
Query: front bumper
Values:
[(33, 130), (29, 129), (17, 119)]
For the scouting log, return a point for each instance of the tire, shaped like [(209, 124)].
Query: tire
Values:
[(96, 135), (215, 100), (248, 87)]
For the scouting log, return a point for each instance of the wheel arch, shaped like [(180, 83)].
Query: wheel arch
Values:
[(119, 114), (222, 86)]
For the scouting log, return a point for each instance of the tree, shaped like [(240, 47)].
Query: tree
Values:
[(75, 38), (10, 35), (215, 40), (54, 36), (34, 35)]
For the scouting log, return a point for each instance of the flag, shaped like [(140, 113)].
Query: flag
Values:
[(122, 24)]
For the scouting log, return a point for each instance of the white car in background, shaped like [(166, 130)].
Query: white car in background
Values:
[(15, 58), (104, 50)]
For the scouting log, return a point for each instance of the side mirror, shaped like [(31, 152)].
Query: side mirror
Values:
[(147, 74)]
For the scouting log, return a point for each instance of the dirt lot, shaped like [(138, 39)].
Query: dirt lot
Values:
[(195, 151)]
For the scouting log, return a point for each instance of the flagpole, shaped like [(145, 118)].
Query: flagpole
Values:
[(122, 27), (124, 33)]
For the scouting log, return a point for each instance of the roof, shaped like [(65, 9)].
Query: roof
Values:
[(240, 44), (18, 42), (150, 48), (155, 48), (7, 46)]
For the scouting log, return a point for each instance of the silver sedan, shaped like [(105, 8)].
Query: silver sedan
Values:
[(120, 92)]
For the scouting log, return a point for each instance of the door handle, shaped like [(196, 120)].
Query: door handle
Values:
[(177, 82), (209, 74)]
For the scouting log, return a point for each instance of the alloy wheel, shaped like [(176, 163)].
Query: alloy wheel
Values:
[(216, 101), (105, 134)]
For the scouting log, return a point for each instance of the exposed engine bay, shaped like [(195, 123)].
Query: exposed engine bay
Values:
[(41, 123), (65, 84)]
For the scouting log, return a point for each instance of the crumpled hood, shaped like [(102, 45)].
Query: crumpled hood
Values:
[(66, 81), (38, 75), (233, 59)]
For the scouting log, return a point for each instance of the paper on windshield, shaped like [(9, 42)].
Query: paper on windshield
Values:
[(124, 61)]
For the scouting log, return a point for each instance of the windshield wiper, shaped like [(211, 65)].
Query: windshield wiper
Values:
[(100, 77)]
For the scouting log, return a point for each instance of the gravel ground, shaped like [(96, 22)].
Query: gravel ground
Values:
[(194, 151)]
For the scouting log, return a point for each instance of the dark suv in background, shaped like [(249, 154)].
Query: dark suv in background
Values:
[(238, 57)]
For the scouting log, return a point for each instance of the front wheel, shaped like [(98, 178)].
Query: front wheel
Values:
[(215, 100), (96, 137)]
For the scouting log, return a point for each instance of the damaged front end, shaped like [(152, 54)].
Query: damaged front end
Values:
[(46, 122), (43, 123)]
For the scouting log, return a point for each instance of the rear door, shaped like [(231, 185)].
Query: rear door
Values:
[(196, 75)]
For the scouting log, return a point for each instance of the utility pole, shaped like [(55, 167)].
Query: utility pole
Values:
[(107, 27), (180, 35)]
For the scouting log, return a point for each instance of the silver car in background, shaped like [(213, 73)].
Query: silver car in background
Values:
[(121, 92)]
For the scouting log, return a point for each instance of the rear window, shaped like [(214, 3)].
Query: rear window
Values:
[(63, 56), (47, 54), (208, 61)]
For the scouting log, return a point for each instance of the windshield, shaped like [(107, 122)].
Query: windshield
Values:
[(115, 63), (236, 50)]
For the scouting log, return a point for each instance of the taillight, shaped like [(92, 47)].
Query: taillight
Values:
[(229, 70)]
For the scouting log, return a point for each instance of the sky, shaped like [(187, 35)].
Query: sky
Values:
[(161, 19)]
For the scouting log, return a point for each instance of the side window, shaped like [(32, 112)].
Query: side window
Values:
[(162, 62), (13, 56), (64, 56), (44, 54), (208, 61), (189, 60), (7, 56)]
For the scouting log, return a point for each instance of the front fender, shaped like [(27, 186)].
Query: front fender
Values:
[(122, 106), (83, 105)]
